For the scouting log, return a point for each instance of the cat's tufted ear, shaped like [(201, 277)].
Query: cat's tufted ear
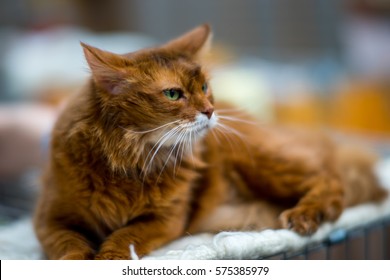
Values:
[(108, 69), (194, 43)]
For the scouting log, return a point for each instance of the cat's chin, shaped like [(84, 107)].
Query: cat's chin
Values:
[(203, 124), (213, 121)]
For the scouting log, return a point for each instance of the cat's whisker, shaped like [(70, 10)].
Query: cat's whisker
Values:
[(227, 131), (215, 136), (183, 136), (190, 142), (157, 146), (167, 136), (232, 110), (240, 136), (160, 143), (168, 157), (236, 114), (225, 135), (177, 144), (186, 142), (224, 128), (150, 130), (234, 119), (187, 128), (182, 146), (230, 130)]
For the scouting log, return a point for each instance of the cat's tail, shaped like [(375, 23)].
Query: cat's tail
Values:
[(358, 176)]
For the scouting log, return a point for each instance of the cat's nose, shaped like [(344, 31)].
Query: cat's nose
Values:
[(208, 112)]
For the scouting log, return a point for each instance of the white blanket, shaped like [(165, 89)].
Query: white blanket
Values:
[(17, 241)]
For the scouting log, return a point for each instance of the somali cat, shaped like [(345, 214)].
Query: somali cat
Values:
[(143, 155)]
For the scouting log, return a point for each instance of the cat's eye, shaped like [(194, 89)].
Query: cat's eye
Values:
[(205, 87), (173, 94)]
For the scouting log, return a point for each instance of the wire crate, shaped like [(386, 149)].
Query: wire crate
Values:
[(368, 242)]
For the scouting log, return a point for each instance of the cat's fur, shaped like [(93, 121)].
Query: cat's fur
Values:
[(130, 166)]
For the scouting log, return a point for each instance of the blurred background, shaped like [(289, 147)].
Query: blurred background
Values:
[(312, 63)]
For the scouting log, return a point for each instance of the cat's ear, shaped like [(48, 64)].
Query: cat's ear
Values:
[(195, 43), (108, 69)]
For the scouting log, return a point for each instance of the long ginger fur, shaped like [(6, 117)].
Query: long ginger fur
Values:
[(143, 155)]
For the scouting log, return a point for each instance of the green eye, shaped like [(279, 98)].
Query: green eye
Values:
[(173, 94), (205, 87)]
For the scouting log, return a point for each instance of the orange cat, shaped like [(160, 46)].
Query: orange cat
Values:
[(143, 156)]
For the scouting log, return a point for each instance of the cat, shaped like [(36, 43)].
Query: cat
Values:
[(144, 155)]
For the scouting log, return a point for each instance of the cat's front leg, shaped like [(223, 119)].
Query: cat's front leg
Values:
[(63, 235), (62, 243), (145, 236), (324, 201)]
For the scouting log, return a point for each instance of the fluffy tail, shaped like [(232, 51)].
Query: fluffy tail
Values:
[(358, 176)]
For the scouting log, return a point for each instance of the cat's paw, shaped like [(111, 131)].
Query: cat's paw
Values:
[(112, 255), (304, 220)]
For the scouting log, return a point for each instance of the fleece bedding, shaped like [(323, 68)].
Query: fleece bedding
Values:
[(17, 240)]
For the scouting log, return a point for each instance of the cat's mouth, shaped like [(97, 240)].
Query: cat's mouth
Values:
[(202, 123), (184, 132)]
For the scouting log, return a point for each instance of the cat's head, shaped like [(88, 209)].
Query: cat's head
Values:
[(157, 91)]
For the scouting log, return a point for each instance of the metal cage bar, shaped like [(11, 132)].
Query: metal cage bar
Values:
[(368, 242)]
